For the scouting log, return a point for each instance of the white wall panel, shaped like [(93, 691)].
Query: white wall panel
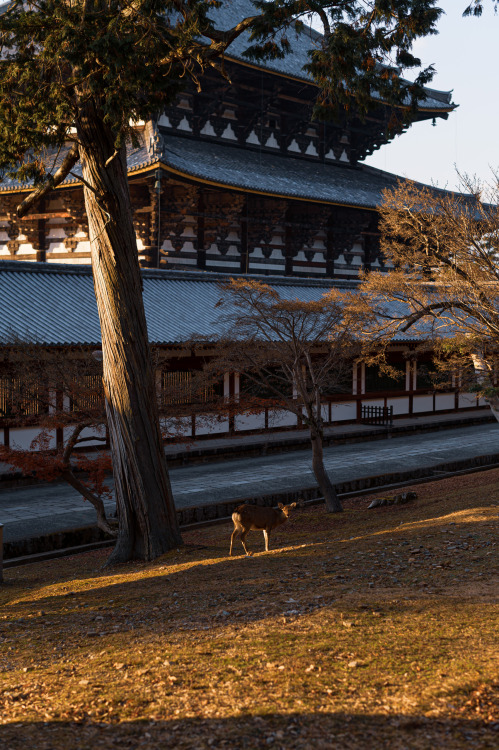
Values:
[(211, 426), (249, 421), (22, 437), (341, 412), (422, 403), (444, 401), (400, 405), (466, 400), (181, 426), (282, 419)]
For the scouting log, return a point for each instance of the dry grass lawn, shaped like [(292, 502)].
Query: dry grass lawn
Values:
[(372, 629)]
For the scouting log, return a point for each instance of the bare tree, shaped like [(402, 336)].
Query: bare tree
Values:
[(290, 355), (444, 284)]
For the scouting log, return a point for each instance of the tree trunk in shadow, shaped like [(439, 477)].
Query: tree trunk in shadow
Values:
[(147, 519), (331, 499)]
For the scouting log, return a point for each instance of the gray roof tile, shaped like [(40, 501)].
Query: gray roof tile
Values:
[(54, 304), (275, 174), (227, 16), (136, 158)]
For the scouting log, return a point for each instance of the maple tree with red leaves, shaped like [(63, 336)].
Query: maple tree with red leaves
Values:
[(60, 394)]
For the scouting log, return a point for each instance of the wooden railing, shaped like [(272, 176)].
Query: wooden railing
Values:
[(377, 415)]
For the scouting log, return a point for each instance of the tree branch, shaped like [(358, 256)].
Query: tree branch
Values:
[(52, 181), (73, 440), (96, 501), (222, 39), (325, 21)]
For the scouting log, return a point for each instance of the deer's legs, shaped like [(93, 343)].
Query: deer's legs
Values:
[(243, 542), (266, 535), (233, 536)]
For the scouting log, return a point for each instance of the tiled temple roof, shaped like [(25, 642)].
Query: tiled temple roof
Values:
[(269, 173), (54, 304), (231, 12), (137, 158), (265, 173), (274, 174)]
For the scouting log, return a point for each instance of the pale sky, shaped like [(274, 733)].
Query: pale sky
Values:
[(465, 56)]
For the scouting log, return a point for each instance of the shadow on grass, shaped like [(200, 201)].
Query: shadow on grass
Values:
[(334, 561), (228, 592), (310, 731), (213, 582)]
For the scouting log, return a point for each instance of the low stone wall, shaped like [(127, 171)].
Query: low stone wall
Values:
[(288, 442)]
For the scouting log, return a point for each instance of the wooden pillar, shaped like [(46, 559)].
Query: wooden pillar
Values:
[(201, 250), (151, 233), (41, 248), (412, 368), (232, 416), (288, 251), (59, 433), (358, 378), (329, 253), (244, 238), (34, 231)]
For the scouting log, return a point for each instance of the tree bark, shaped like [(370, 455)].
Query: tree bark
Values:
[(331, 499), (147, 519)]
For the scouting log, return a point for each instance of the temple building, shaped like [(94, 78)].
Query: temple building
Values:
[(237, 178)]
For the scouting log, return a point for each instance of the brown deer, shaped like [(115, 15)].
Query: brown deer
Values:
[(247, 517)]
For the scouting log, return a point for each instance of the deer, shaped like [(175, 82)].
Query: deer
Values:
[(247, 517)]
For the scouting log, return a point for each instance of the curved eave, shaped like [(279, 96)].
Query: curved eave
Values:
[(144, 166), (185, 174), (267, 193)]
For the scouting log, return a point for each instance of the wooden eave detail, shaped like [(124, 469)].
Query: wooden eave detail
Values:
[(308, 82)]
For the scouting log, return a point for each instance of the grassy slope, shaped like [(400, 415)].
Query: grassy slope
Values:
[(372, 629)]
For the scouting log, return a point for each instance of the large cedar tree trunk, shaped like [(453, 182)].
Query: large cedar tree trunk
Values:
[(331, 499), (147, 520)]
